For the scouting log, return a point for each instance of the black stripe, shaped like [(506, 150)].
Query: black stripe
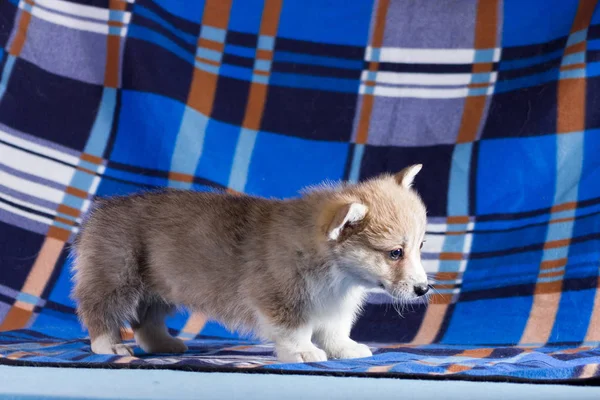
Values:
[(159, 174), (182, 24), (514, 229), (532, 213), (320, 49), (155, 26), (26, 209), (519, 52), (317, 70), (427, 68), (7, 299), (530, 70), (593, 32), (238, 60), (241, 39), (528, 248), (114, 127), (593, 55)]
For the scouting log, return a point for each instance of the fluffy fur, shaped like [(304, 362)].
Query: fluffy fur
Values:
[(294, 272)]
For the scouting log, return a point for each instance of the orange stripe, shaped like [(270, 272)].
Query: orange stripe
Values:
[(483, 67), (584, 15), (557, 243), (209, 44), (476, 353), (365, 116), (257, 95), (21, 34), (486, 24), (58, 233), (543, 313), (455, 368), (64, 220), (451, 256), (76, 192), (264, 54), (73, 212), (572, 67), (91, 158), (576, 48), (377, 37), (177, 176), (16, 318), (561, 262), (207, 61), (216, 13), (571, 205), (432, 322), (457, 219)]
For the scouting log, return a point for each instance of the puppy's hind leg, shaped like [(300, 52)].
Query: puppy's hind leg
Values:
[(151, 333)]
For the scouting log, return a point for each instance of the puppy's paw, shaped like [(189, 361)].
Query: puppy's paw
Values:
[(119, 349), (301, 355), (351, 350)]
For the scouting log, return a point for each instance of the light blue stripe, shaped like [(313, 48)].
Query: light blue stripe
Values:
[(190, 143), (138, 32), (572, 74), (284, 56), (144, 12), (209, 54), (81, 180), (577, 37), (483, 77), (28, 298), (262, 65), (241, 159), (315, 82), (212, 33), (72, 201), (96, 143), (359, 150), (575, 58), (240, 51), (516, 64), (207, 67), (8, 66), (266, 42), (458, 193), (260, 79), (569, 161)]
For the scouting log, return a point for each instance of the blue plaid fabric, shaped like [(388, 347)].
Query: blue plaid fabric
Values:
[(497, 98)]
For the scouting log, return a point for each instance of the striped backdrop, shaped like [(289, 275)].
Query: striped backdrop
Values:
[(499, 99)]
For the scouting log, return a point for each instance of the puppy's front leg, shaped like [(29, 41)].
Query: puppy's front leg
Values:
[(333, 336), (295, 345)]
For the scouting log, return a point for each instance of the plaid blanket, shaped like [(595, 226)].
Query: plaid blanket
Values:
[(497, 98)]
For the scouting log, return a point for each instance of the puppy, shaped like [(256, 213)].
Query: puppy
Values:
[(294, 272)]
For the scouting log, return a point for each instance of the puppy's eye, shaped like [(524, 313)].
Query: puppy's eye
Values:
[(396, 254)]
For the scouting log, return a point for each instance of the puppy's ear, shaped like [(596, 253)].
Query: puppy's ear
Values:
[(406, 177), (345, 219)]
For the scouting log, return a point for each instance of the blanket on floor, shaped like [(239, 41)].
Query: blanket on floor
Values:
[(499, 99)]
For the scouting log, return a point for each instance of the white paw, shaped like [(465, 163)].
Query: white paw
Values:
[(313, 354), (100, 347), (351, 350)]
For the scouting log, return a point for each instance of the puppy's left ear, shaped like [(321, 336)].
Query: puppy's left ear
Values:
[(406, 177), (345, 218)]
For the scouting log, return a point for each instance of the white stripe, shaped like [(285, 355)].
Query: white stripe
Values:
[(94, 185), (35, 165), (431, 265), (424, 56), (27, 204), (25, 214), (421, 93), (31, 188), (433, 244), (422, 79), (396, 78), (73, 23), (75, 9), (436, 228), (37, 148)]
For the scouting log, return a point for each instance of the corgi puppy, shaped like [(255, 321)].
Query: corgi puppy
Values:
[(294, 272)]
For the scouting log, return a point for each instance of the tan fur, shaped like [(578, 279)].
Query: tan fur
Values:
[(275, 267)]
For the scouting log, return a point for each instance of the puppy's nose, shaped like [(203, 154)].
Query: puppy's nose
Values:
[(421, 289)]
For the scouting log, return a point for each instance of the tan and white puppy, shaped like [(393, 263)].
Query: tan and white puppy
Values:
[(294, 272)]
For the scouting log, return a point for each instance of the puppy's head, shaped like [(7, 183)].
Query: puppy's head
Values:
[(375, 231)]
